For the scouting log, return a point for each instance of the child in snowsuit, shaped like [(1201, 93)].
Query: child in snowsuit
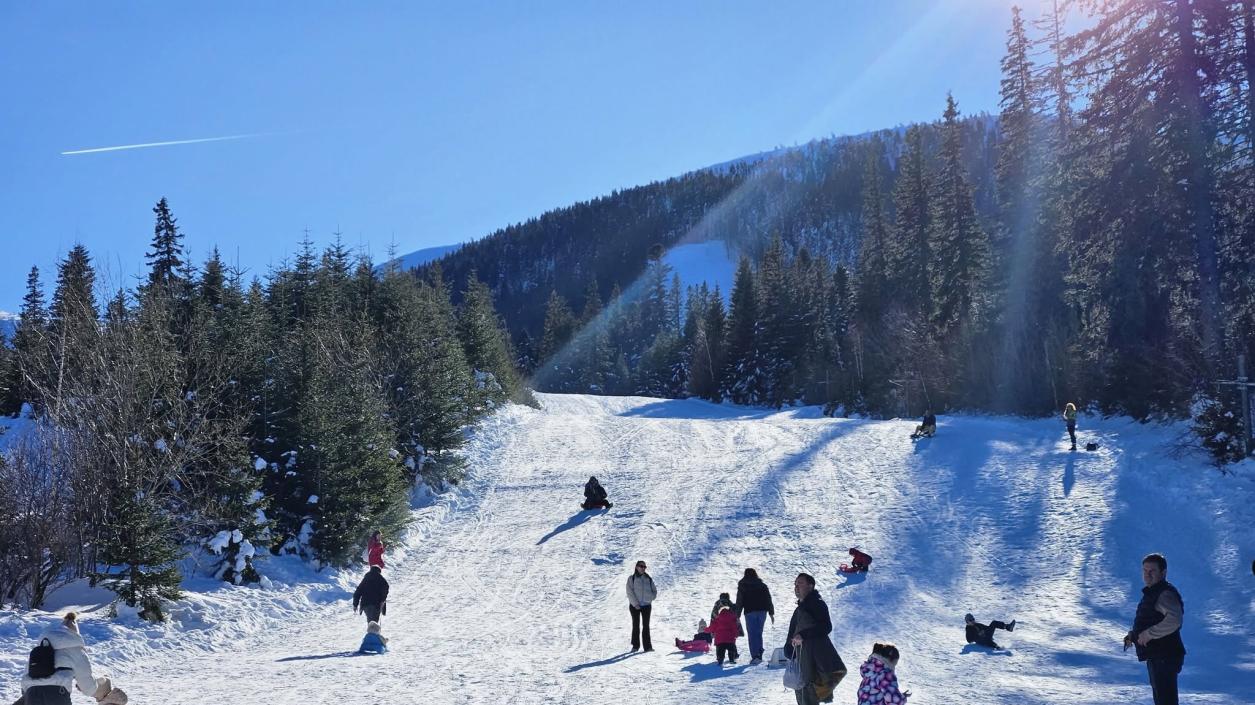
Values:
[(595, 495), (374, 642), (982, 634), (700, 643), (374, 550), (724, 629), (725, 600), (859, 561), (880, 683)]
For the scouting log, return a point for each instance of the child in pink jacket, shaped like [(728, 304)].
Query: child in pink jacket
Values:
[(880, 683), (700, 643)]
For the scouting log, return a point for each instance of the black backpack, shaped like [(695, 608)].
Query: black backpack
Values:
[(43, 661)]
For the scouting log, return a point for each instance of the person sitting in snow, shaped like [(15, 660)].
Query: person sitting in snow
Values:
[(374, 642), (928, 428), (859, 561), (374, 551), (982, 634), (701, 641), (725, 628), (595, 495)]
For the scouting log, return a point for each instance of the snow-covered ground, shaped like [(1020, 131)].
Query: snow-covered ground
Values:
[(507, 593)]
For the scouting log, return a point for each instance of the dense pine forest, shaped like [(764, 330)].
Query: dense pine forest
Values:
[(1093, 242), (202, 412)]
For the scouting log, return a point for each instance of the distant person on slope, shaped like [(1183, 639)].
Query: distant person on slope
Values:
[(371, 595), (880, 683), (753, 600), (821, 665), (1069, 417), (374, 550), (983, 634), (1156, 630), (595, 495), (641, 593), (928, 427)]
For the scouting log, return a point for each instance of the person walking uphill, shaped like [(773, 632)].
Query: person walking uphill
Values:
[(1156, 631), (374, 550), (1069, 417), (641, 593), (372, 595), (753, 599), (807, 641)]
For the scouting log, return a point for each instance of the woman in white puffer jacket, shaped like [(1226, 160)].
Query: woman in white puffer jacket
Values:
[(71, 663)]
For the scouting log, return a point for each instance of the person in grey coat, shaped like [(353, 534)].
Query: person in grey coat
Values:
[(641, 593)]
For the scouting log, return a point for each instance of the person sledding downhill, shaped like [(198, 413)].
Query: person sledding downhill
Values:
[(701, 641), (595, 495), (928, 428), (983, 634), (859, 562)]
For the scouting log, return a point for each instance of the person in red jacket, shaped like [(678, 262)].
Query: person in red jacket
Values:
[(859, 561), (724, 628), (374, 550)]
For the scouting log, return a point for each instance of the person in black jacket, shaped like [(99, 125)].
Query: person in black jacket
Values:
[(595, 495), (983, 634), (1156, 630), (753, 599), (822, 667), (372, 595), (928, 428)]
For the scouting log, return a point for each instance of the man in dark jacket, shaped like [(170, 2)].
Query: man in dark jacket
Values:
[(928, 427), (595, 495), (822, 668), (753, 599), (983, 634), (372, 595), (1156, 631)]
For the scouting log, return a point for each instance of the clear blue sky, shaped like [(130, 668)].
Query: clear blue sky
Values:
[(428, 124)]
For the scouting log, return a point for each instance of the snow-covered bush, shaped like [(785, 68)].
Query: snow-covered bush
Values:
[(1218, 428)]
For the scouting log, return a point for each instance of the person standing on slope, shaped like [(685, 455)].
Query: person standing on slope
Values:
[(1069, 417), (641, 593), (374, 550), (753, 599), (1156, 631), (983, 634), (371, 595), (807, 641)]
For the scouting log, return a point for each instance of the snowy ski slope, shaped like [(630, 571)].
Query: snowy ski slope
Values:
[(509, 594)]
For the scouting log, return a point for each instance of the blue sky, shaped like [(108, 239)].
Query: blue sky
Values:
[(425, 124)]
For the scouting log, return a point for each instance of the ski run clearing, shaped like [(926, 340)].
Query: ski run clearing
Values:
[(506, 592)]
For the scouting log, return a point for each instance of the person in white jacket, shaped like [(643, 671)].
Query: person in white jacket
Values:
[(73, 668), (641, 593)]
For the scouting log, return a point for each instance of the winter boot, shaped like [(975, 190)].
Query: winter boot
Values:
[(1011, 626)]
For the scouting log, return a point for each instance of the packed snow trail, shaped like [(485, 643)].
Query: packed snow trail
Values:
[(517, 596)]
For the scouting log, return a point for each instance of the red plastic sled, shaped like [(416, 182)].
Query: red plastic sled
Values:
[(849, 570)]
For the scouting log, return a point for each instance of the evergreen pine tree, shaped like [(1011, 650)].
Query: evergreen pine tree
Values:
[(744, 380), (959, 247)]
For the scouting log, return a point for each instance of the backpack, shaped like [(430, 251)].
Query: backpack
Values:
[(42, 660)]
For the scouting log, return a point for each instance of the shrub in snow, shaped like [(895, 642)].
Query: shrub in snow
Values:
[(1219, 428)]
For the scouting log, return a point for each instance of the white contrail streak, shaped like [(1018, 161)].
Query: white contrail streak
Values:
[(159, 144)]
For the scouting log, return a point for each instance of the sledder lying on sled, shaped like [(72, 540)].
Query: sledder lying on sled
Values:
[(700, 643)]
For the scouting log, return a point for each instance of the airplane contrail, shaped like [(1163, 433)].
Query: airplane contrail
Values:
[(161, 144)]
